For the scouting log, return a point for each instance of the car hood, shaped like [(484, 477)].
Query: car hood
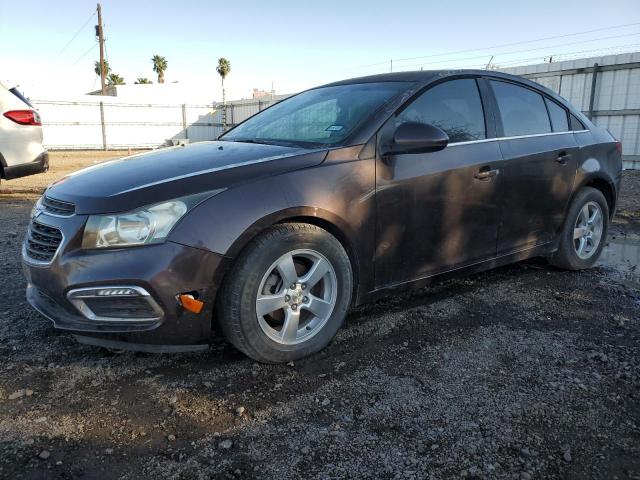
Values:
[(138, 180)]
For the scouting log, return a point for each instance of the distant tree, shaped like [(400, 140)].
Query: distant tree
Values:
[(96, 68), (159, 66), (142, 81), (223, 69), (115, 79)]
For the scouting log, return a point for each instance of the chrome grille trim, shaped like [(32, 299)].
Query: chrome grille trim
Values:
[(42, 243), (58, 208)]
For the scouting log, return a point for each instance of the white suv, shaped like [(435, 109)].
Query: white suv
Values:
[(21, 150)]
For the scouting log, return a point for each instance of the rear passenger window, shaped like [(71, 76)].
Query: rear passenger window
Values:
[(558, 115), (522, 110), (453, 106), (576, 124)]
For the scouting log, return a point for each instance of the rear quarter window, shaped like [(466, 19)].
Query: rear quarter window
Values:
[(576, 125)]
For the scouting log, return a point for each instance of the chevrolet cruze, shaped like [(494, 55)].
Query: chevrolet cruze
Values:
[(331, 198)]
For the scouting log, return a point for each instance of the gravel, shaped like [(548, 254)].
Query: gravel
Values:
[(524, 372)]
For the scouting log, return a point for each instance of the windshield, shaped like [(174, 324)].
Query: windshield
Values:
[(322, 116)]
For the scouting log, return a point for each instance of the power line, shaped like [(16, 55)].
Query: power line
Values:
[(503, 45), (76, 34), (567, 54), (524, 51), (85, 53)]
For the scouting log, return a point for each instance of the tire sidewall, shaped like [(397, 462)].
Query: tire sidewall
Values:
[(586, 195), (260, 259)]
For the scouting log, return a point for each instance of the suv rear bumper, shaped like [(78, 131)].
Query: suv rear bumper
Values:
[(39, 165)]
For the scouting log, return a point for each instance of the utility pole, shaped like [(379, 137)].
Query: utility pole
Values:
[(100, 35), (489, 63), (391, 65)]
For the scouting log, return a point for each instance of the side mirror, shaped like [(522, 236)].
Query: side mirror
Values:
[(412, 137)]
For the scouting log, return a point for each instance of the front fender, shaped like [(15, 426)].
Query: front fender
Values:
[(340, 194)]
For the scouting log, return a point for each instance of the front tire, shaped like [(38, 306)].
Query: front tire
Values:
[(585, 231), (288, 293)]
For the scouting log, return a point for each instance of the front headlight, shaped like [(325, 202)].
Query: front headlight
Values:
[(147, 225), (37, 207)]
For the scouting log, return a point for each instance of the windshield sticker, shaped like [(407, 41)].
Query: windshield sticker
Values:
[(334, 128)]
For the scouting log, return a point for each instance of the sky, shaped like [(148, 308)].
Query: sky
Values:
[(294, 45)]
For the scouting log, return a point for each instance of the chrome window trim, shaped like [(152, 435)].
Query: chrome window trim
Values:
[(76, 296), (516, 137)]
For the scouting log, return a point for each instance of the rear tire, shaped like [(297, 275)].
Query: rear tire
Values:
[(585, 231), (287, 294)]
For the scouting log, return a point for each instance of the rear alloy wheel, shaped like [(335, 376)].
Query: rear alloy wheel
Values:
[(587, 231), (583, 236), (287, 294)]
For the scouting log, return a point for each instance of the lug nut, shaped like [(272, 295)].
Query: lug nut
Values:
[(287, 298), (305, 299), (304, 286), (294, 307), (293, 286)]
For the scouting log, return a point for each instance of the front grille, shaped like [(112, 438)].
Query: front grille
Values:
[(42, 241), (120, 307), (58, 207)]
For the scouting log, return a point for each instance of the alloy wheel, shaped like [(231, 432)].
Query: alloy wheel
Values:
[(587, 231), (296, 296)]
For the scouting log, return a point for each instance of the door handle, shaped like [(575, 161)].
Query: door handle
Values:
[(485, 174), (563, 157)]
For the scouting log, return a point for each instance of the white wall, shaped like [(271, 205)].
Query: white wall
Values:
[(77, 123)]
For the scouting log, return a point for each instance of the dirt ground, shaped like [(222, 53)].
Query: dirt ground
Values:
[(524, 372)]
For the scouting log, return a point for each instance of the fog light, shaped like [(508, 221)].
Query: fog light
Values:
[(119, 304), (117, 292)]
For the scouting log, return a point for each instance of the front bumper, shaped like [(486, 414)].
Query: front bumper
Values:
[(163, 270), (39, 165)]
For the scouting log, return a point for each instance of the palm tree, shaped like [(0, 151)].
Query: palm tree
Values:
[(96, 68), (223, 69), (115, 79), (159, 66), (142, 81)]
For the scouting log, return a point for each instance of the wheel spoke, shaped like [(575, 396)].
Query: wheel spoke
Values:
[(584, 214), (317, 271), (583, 243), (595, 216), (290, 327), (287, 270), (319, 307), (269, 303)]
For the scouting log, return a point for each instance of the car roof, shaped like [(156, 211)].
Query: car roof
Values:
[(422, 78), (426, 76)]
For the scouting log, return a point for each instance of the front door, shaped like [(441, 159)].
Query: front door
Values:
[(438, 211)]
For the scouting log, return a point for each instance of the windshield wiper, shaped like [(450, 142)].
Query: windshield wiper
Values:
[(264, 141)]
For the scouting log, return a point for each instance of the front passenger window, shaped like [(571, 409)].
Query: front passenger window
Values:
[(453, 106)]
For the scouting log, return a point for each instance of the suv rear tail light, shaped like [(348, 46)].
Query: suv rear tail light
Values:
[(24, 117), (619, 146)]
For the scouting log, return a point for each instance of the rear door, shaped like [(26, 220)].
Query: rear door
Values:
[(540, 164), (437, 211)]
